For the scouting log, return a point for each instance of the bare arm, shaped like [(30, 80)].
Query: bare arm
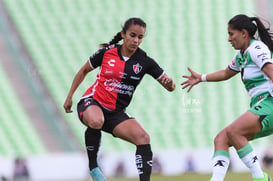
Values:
[(221, 75), (75, 84), (167, 82), (268, 70), (195, 78)]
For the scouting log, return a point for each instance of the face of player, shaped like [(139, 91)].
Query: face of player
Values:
[(238, 39), (132, 39)]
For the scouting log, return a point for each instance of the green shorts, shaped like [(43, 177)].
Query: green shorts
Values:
[(262, 105)]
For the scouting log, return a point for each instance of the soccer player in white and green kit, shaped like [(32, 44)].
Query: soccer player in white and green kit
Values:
[(254, 61)]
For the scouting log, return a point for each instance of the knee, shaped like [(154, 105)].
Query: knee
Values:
[(221, 138), (230, 132), (146, 138), (93, 117), (143, 138), (94, 123)]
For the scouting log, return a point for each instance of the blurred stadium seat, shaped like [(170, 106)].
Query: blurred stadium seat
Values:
[(17, 135)]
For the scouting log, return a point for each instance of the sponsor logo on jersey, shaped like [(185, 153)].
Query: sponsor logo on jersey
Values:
[(108, 72), (137, 68), (266, 58), (116, 86), (134, 77), (263, 55), (257, 47), (111, 62)]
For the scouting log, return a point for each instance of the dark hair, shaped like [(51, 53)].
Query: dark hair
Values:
[(241, 21), (127, 24)]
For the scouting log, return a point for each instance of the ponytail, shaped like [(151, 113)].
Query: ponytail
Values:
[(242, 21), (264, 33), (115, 40)]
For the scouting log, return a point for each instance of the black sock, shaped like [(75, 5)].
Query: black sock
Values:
[(144, 156), (92, 142)]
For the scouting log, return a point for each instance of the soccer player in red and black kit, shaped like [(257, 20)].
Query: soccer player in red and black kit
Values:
[(102, 106)]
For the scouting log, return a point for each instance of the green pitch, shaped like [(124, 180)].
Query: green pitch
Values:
[(231, 176), (190, 177)]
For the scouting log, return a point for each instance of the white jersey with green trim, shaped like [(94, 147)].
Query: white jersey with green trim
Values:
[(250, 64)]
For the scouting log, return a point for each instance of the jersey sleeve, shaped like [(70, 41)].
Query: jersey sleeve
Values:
[(233, 65), (154, 69), (95, 60), (261, 55)]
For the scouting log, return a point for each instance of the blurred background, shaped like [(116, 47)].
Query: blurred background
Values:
[(43, 43)]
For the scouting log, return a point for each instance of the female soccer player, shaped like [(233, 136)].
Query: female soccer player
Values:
[(102, 106), (254, 62)]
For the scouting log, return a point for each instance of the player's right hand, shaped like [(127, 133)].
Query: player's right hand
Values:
[(67, 105)]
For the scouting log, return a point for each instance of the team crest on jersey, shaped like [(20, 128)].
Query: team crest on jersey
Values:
[(137, 68)]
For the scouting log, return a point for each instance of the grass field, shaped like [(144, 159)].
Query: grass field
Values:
[(190, 177), (231, 176)]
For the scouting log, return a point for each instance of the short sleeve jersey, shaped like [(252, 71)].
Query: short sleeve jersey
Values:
[(117, 79), (250, 64)]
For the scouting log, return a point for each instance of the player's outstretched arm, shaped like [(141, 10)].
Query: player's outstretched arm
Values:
[(195, 78)]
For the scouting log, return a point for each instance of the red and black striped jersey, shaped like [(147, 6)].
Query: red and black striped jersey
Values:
[(117, 79)]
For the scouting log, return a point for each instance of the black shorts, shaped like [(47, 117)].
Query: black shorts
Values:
[(111, 118)]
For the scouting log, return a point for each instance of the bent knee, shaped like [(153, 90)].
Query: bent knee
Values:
[(142, 138), (221, 138), (93, 117), (231, 132), (95, 124)]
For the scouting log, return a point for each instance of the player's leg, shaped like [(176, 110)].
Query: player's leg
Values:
[(131, 131), (255, 123), (239, 133), (92, 116), (92, 142), (221, 158)]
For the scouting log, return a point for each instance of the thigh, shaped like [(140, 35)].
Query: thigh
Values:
[(90, 113), (246, 125), (131, 131), (265, 111), (93, 117), (114, 118), (267, 124)]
